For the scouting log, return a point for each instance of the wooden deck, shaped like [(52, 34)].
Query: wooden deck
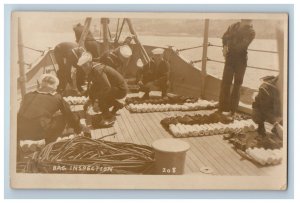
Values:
[(208, 151)]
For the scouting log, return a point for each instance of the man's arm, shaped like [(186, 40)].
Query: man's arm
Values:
[(227, 35), (246, 40), (103, 83), (71, 118)]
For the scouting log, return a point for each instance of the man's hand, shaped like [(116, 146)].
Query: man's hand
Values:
[(279, 129), (225, 50), (86, 105), (140, 83)]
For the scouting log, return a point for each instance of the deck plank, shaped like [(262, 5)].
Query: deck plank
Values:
[(209, 151), (200, 152), (244, 166), (128, 120)]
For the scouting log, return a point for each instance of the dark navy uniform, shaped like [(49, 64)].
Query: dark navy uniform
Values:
[(39, 118), (156, 74), (107, 86), (67, 55), (237, 38), (111, 59), (266, 107)]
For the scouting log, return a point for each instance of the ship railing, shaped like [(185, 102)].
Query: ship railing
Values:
[(192, 62)]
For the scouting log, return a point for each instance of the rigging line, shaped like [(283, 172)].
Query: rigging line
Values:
[(196, 61), (37, 50), (257, 50), (117, 30), (178, 50), (254, 67), (121, 29), (109, 33)]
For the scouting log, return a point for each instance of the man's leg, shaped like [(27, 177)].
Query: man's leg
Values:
[(116, 94), (164, 88), (240, 70), (80, 78), (111, 101), (224, 96), (259, 118)]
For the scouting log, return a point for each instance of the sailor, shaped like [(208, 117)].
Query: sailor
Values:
[(117, 59), (90, 42), (266, 107), (43, 114), (155, 74), (67, 55), (236, 40), (107, 86)]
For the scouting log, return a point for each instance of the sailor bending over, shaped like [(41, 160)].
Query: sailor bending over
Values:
[(107, 86), (67, 55), (44, 114), (266, 107)]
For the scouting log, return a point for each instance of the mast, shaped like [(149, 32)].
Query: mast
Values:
[(204, 58), (22, 77), (104, 22), (85, 31), (145, 57)]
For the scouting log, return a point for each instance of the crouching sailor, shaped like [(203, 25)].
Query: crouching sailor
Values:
[(117, 59), (266, 107), (154, 75), (107, 86), (39, 117)]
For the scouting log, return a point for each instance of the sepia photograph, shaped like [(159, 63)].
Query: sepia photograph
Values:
[(111, 100)]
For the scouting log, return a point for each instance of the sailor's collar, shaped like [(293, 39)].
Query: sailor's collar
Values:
[(42, 92)]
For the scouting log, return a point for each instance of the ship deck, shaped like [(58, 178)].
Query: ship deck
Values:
[(208, 151)]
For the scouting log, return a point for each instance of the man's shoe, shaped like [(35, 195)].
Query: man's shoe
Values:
[(117, 107), (261, 130), (145, 96)]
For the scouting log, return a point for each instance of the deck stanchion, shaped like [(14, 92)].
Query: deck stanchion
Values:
[(204, 58), (22, 78), (280, 47)]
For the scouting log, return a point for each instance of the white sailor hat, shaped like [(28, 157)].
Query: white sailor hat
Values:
[(47, 83), (84, 58), (158, 51), (139, 63), (125, 51)]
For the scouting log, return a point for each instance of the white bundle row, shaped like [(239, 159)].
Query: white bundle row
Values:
[(65, 138), (76, 100), (183, 130), (31, 145), (265, 156), (143, 108)]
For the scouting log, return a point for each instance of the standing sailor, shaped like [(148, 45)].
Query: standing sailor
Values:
[(236, 40), (108, 86), (39, 117), (67, 55), (155, 74)]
